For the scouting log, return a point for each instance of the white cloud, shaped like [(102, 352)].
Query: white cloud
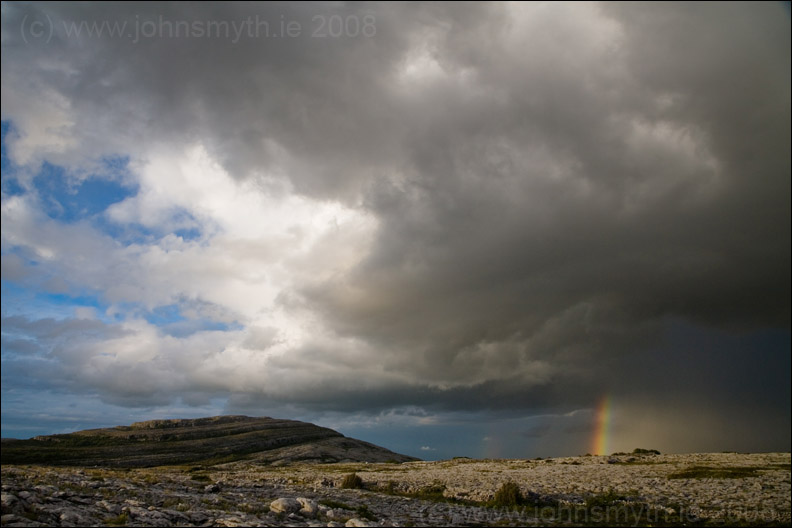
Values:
[(43, 120), (255, 245)]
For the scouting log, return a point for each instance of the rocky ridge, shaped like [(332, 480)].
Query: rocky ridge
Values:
[(206, 440)]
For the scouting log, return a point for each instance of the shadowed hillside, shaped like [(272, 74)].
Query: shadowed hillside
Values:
[(207, 440)]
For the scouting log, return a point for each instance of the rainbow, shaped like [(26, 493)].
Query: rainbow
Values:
[(600, 444)]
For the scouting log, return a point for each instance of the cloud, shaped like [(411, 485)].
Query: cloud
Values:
[(496, 208)]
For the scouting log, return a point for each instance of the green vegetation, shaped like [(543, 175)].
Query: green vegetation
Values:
[(640, 462), (32, 516), (508, 496), (433, 492), (604, 500), (170, 502), (610, 508), (364, 513), (118, 520), (639, 451), (701, 472), (615, 509), (352, 481)]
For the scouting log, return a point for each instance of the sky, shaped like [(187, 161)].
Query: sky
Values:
[(451, 229)]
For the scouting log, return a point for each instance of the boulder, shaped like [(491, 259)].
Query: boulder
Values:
[(309, 507), (354, 521), (72, 517), (9, 502), (285, 505)]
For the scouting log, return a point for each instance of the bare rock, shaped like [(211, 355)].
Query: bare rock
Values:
[(337, 513), (285, 505), (309, 507), (74, 518), (232, 522), (109, 507), (9, 502), (354, 521)]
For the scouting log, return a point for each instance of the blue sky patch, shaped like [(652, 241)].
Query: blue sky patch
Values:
[(74, 301), (161, 315), (192, 233), (21, 300), (170, 320), (189, 327), (5, 162), (10, 185), (69, 202), (127, 234), (136, 233)]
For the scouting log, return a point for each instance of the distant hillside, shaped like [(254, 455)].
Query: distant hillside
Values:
[(203, 440)]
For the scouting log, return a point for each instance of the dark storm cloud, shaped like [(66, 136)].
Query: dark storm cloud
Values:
[(552, 184), (250, 98), (567, 217)]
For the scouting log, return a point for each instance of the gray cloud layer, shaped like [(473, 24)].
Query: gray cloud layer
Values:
[(553, 186)]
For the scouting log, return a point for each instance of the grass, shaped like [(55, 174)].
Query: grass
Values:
[(508, 496), (610, 508), (171, 502), (364, 513), (352, 481), (32, 516), (639, 451), (389, 488), (702, 472), (118, 520), (434, 492), (604, 500)]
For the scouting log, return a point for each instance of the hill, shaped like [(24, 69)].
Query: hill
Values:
[(203, 440)]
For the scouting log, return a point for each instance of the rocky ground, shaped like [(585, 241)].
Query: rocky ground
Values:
[(696, 489)]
